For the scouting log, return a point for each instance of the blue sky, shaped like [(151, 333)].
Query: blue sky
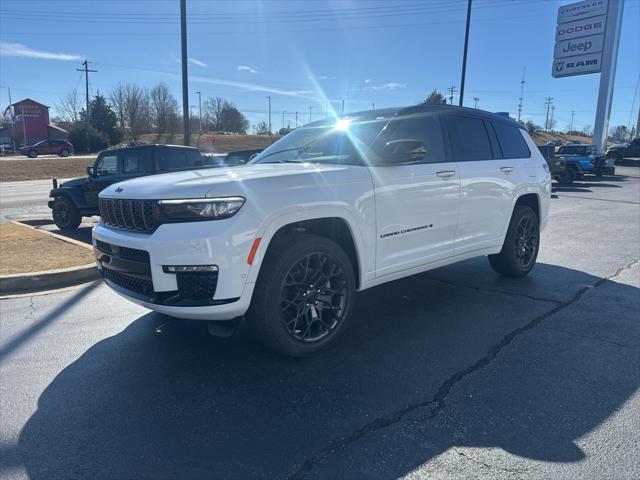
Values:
[(305, 52)]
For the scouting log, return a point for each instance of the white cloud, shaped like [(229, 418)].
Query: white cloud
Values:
[(320, 77), (252, 87), (195, 61), (20, 50), (389, 86), (247, 68), (368, 80)]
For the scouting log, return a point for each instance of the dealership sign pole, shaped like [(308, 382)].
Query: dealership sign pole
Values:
[(587, 38)]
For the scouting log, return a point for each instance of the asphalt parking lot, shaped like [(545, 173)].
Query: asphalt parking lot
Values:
[(451, 373)]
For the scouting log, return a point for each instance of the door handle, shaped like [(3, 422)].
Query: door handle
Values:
[(446, 173), (506, 169)]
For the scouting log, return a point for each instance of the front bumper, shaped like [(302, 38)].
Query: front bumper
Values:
[(132, 265)]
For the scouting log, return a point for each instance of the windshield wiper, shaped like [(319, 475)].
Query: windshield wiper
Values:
[(299, 149)]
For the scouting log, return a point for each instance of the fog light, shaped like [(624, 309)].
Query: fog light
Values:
[(189, 268)]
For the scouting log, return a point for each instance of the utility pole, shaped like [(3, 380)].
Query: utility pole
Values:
[(373, 106), (283, 112), (342, 111), (185, 74), (464, 55), (199, 112), (548, 101), (524, 69), (269, 98), (452, 90), (13, 131), (296, 119), (86, 71), (475, 102), (310, 108), (553, 109), (571, 124)]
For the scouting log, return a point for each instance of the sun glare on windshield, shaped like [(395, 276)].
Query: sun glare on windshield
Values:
[(342, 124)]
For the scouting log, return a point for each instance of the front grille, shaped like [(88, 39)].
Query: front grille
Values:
[(142, 286), (129, 214), (197, 286)]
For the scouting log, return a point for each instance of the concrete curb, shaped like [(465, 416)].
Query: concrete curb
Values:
[(47, 280)]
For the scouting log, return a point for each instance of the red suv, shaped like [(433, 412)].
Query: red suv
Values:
[(47, 147)]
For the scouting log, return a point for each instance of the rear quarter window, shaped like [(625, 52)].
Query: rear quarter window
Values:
[(512, 143), (178, 158)]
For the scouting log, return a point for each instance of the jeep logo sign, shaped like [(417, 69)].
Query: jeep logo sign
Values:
[(577, 65), (579, 46), (580, 28)]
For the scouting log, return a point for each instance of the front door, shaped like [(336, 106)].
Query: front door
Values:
[(107, 171), (417, 194)]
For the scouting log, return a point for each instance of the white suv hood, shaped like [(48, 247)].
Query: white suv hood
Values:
[(203, 183)]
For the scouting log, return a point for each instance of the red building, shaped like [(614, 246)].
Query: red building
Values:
[(31, 121)]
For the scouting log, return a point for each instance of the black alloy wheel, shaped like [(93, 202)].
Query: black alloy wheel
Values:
[(526, 244), (64, 153), (313, 297)]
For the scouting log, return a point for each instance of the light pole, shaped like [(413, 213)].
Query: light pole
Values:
[(464, 55), (475, 102), (269, 98), (296, 119), (571, 124), (199, 112), (373, 106), (283, 112), (185, 74), (310, 108)]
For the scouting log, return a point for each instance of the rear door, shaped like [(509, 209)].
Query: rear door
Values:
[(416, 201), (136, 162), (488, 179)]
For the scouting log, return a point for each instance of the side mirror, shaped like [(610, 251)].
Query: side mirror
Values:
[(91, 171), (403, 151)]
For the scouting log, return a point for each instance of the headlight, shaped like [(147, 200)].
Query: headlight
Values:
[(194, 209)]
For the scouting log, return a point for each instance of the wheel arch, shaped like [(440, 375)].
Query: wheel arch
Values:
[(531, 200), (331, 226), (63, 193)]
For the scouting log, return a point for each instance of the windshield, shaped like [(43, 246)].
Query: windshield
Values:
[(342, 141)]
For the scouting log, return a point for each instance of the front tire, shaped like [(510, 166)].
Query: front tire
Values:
[(32, 154), (65, 215), (521, 244), (304, 296), (64, 153)]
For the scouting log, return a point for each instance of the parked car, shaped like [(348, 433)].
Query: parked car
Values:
[(580, 160), (556, 142), (240, 157), (331, 208), (61, 148), (556, 165), (77, 198), (620, 152)]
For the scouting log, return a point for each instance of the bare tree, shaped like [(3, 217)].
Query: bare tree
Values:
[(69, 106), (164, 109), (117, 101), (212, 110)]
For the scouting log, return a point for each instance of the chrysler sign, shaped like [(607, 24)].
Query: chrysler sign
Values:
[(580, 34)]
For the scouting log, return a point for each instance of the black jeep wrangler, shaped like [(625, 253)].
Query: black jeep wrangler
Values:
[(77, 198)]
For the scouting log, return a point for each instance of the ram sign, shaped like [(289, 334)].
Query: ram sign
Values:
[(579, 38)]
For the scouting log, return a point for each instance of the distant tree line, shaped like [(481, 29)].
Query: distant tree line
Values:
[(129, 111)]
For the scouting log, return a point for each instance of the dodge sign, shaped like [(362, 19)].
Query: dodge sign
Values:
[(580, 35)]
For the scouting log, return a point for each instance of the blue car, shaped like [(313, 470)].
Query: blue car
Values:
[(579, 160)]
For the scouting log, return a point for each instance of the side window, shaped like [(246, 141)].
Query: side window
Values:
[(412, 139), (135, 161), (469, 139), (107, 165), (512, 143), (176, 158)]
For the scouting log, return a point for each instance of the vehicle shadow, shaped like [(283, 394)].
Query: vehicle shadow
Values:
[(161, 399), (82, 233)]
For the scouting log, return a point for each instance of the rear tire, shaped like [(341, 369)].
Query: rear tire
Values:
[(565, 178), (521, 244), (32, 154), (65, 215), (64, 153), (304, 296)]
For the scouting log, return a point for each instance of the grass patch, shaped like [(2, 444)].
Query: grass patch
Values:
[(24, 250), (37, 169)]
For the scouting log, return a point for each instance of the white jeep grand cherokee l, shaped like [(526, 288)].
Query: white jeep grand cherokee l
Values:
[(329, 209)]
